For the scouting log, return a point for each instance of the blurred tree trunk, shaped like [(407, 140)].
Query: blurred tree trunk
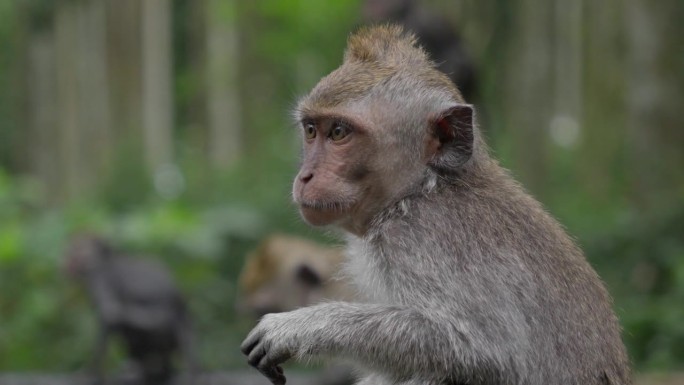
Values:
[(190, 63), (93, 91), (530, 91), (41, 111), (604, 85), (72, 165), (124, 57), (82, 96), (223, 99), (567, 120), (157, 83), (654, 102)]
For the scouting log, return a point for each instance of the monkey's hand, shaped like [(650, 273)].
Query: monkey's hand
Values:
[(271, 343)]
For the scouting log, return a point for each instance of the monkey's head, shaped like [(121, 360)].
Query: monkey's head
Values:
[(384, 125), (284, 273), (84, 254)]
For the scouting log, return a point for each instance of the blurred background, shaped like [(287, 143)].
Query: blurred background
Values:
[(164, 125)]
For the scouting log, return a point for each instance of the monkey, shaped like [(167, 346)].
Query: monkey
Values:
[(136, 300), (467, 279), (435, 34), (285, 272)]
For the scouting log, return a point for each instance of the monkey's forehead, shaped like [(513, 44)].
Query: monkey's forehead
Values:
[(384, 101), (351, 81), (354, 81)]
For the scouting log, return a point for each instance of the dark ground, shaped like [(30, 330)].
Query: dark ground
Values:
[(247, 377)]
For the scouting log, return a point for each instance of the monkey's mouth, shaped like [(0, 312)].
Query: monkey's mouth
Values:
[(321, 213)]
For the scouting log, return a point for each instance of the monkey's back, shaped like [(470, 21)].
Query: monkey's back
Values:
[(509, 266), (568, 309)]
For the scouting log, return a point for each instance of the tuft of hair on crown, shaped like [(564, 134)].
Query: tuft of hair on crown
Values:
[(385, 44)]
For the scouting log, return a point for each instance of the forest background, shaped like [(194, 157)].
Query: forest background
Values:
[(165, 125)]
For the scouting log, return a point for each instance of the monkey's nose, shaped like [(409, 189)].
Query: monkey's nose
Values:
[(306, 177)]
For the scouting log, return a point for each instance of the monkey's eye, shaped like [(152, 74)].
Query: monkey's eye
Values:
[(309, 130), (339, 132)]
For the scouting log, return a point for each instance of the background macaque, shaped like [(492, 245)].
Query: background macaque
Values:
[(468, 280), (286, 272), (136, 300), (435, 34)]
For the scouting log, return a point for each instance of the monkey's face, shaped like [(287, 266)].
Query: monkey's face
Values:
[(354, 163), (284, 273), (380, 127), (331, 181), (83, 255)]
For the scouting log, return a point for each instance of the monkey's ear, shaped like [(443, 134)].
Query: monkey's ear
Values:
[(308, 276), (452, 138)]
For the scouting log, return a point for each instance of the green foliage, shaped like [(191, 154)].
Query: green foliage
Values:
[(643, 263), (46, 322)]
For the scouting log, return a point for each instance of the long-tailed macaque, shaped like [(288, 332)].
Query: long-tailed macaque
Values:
[(468, 280), (285, 273), (136, 300)]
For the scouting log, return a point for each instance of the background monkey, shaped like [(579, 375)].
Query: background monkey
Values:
[(284, 273), (136, 300), (435, 34), (469, 280)]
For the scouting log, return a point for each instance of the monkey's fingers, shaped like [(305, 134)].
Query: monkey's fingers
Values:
[(257, 353), (274, 374), (266, 361), (250, 342)]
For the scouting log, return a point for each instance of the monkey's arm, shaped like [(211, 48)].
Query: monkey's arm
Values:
[(383, 337)]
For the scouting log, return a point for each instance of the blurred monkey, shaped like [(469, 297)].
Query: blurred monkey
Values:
[(435, 34), (136, 300), (285, 272)]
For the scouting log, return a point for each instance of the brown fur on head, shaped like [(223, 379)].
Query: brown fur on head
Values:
[(387, 100), (373, 55)]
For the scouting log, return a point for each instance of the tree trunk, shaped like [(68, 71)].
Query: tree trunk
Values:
[(530, 92), (124, 58), (223, 102), (567, 120), (68, 122), (41, 111), (157, 83)]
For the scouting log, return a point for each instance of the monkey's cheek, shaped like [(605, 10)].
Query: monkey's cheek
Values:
[(319, 217)]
